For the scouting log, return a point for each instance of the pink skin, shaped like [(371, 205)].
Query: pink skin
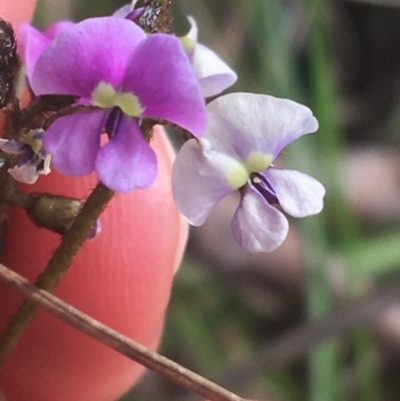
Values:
[(17, 11), (123, 278)]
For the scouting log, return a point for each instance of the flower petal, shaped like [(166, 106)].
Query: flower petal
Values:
[(127, 161), (299, 194), (11, 146), (123, 11), (55, 29), (27, 173), (246, 122), (163, 79), (74, 141), (31, 44), (128, 11), (257, 226), (198, 181), (193, 31), (213, 73), (79, 58)]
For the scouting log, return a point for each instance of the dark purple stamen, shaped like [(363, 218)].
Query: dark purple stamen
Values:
[(40, 166), (38, 135), (264, 188), (113, 121), (27, 155)]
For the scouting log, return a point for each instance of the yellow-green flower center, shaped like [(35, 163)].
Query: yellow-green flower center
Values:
[(106, 97), (188, 44), (257, 162), (238, 174), (33, 141)]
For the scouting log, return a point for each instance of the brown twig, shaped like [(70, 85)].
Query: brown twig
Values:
[(7, 186), (115, 340), (67, 111), (57, 266)]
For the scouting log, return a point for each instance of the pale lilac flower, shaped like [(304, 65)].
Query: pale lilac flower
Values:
[(32, 43), (32, 158), (213, 73), (129, 11), (111, 64), (246, 132)]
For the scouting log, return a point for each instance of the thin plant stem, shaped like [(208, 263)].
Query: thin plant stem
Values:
[(57, 266), (117, 341)]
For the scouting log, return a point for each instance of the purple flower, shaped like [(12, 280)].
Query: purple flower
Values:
[(33, 160), (246, 132), (111, 64), (213, 73), (32, 42)]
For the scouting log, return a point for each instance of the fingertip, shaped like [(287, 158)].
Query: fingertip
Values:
[(17, 11)]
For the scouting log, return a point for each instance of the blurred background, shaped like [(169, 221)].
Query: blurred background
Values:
[(318, 319)]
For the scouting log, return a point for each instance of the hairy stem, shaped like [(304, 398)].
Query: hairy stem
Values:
[(57, 266)]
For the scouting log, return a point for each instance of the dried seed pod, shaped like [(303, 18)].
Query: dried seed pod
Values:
[(9, 63)]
